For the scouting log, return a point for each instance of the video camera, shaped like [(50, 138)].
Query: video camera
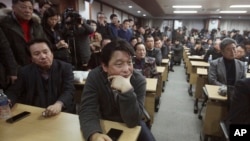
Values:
[(71, 18)]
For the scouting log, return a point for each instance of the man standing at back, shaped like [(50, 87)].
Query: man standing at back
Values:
[(152, 51), (20, 26), (113, 26)]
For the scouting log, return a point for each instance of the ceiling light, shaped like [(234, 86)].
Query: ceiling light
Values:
[(240, 6), (187, 6), (144, 15), (185, 12), (139, 11), (130, 6), (233, 12)]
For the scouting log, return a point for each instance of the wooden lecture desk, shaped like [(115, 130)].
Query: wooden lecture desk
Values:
[(162, 71), (186, 53), (193, 73), (62, 127), (196, 57), (192, 58), (151, 89), (201, 81), (216, 110), (165, 63)]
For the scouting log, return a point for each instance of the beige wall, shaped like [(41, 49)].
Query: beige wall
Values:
[(107, 11)]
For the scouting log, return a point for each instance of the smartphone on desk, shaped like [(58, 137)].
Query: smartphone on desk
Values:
[(114, 134), (18, 117)]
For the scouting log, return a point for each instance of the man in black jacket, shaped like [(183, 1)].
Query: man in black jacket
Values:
[(45, 83), (20, 26), (239, 112), (214, 51), (152, 51)]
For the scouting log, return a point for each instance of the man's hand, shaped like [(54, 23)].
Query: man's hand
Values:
[(62, 44), (120, 83), (11, 79), (53, 109), (99, 137)]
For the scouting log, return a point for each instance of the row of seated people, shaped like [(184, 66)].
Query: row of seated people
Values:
[(227, 70), (213, 49), (231, 72), (113, 91)]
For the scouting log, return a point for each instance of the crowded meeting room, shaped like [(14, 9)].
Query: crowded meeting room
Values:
[(124, 70)]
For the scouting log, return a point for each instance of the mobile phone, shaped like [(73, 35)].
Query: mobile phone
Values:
[(18, 117), (114, 134)]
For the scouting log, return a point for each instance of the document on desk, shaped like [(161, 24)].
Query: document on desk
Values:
[(80, 76)]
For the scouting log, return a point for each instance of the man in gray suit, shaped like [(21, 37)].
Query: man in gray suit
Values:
[(226, 70)]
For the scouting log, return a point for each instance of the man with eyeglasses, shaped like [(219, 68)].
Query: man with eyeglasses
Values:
[(19, 27)]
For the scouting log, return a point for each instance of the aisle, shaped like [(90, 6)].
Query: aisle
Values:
[(175, 120)]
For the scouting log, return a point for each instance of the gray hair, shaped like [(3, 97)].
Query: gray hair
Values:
[(225, 42)]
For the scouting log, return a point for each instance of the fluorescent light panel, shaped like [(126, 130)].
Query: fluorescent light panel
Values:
[(185, 12), (240, 6), (233, 12), (187, 6)]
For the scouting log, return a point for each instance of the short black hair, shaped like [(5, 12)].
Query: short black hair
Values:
[(2, 5), (41, 3), (227, 41), (242, 46), (50, 12), (38, 40), (124, 21), (112, 16), (137, 44), (130, 20), (148, 36), (91, 21), (115, 45), (16, 1)]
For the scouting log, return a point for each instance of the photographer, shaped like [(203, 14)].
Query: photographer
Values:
[(76, 32)]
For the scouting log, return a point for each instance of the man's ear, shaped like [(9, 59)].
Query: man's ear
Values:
[(104, 67)]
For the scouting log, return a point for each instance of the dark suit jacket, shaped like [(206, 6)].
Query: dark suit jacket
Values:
[(212, 51), (240, 104), (7, 62), (217, 71), (29, 88), (155, 53), (14, 35)]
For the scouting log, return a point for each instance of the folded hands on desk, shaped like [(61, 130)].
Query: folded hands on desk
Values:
[(53, 110)]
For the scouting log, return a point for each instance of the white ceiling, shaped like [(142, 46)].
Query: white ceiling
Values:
[(163, 8)]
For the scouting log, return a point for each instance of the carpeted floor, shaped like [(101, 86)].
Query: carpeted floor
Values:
[(175, 120)]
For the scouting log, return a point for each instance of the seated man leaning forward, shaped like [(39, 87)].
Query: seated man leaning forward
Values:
[(113, 91), (226, 70), (46, 82)]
